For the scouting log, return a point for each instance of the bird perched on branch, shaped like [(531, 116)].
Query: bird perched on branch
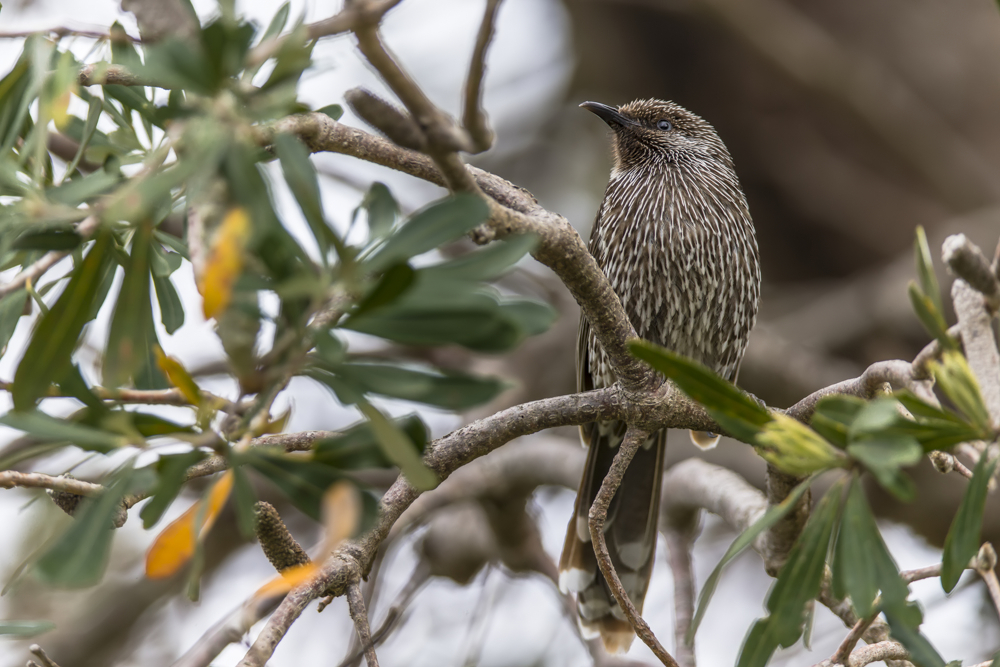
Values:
[(675, 239)]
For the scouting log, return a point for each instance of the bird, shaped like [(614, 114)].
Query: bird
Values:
[(675, 239)]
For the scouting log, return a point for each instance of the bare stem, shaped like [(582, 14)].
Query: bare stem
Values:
[(359, 615), (634, 438), (474, 116)]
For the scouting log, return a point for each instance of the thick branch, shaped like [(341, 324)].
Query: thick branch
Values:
[(979, 343)]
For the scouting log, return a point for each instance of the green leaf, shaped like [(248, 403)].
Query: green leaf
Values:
[(736, 412), (798, 582), (93, 116), (300, 174), (802, 575), (171, 470), (381, 207), (398, 447), (429, 228), (438, 313), (80, 556), (47, 428), (302, 480), (396, 280), (50, 239), (959, 384), (152, 426), (54, 338), (932, 319), (922, 652), (834, 415), (451, 390), (244, 499), (759, 644), (883, 456), (772, 516), (277, 23), (171, 308), (491, 262), (963, 540), (334, 111), (86, 188), (11, 310), (357, 448), (292, 59), (126, 352), (163, 263), (25, 628), (861, 564), (925, 269)]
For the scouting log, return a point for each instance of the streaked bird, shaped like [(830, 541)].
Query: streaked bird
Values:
[(675, 239)]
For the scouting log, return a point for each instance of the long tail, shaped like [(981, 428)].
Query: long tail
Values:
[(630, 533)]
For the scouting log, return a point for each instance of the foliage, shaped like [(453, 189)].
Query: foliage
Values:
[(175, 177), (880, 437)]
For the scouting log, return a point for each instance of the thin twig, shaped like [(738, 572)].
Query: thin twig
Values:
[(634, 438), (359, 615), (10, 479), (474, 116), (37, 651)]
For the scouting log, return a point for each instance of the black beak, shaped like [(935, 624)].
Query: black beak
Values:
[(608, 114)]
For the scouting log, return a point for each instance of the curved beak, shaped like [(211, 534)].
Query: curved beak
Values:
[(607, 113)]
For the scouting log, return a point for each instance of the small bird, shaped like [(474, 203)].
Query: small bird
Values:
[(675, 239)]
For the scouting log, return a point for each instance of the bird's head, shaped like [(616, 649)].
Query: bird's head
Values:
[(650, 133)]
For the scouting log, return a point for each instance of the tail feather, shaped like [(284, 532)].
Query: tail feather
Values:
[(630, 533)]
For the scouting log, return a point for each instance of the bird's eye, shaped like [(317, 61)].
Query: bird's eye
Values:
[(663, 124)]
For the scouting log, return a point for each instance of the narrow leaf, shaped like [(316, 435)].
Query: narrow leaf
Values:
[(772, 516), (54, 338), (963, 540), (25, 628), (80, 556), (398, 447), (174, 547), (735, 411), (170, 473), (11, 310), (125, 353), (431, 227), (925, 269), (225, 262), (48, 428), (957, 382), (861, 564)]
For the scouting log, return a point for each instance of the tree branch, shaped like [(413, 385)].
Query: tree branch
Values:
[(474, 116), (634, 438), (359, 615)]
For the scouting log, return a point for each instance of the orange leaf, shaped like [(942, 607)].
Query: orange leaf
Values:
[(173, 547), (341, 514), (225, 261), (288, 580), (178, 376)]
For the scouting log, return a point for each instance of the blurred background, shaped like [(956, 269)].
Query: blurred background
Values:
[(850, 122)]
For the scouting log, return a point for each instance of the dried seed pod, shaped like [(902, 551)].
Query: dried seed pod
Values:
[(394, 123)]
